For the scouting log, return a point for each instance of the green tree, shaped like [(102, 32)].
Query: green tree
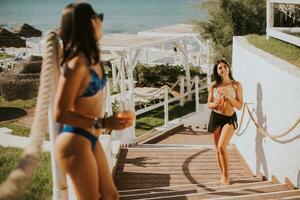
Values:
[(232, 17)]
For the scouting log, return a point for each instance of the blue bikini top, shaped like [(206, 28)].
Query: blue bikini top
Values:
[(95, 83)]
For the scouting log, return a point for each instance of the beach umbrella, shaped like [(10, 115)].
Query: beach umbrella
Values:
[(27, 31), (8, 39)]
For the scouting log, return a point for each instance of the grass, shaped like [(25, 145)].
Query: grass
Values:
[(278, 48), (40, 186), (155, 118), (19, 103), (17, 129), (7, 56), (10, 113)]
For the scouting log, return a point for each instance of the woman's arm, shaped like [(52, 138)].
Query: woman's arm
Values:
[(67, 89), (210, 100), (238, 102)]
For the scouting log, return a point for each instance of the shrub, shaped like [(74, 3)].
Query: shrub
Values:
[(35, 58), (28, 67), (33, 67), (159, 75), (19, 89), (232, 17)]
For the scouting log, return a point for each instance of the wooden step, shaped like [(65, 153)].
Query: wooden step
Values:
[(193, 189), (203, 184), (175, 167), (151, 183), (289, 194), (176, 171), (291, 197), (226, 193), (145, 176)]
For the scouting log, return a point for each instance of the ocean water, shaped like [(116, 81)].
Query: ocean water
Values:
[(120, 16)]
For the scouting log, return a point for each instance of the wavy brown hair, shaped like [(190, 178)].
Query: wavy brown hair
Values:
[(216, 76), (77, 33)]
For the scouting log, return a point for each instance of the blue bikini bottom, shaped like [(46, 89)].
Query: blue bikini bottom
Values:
[(79, 131)]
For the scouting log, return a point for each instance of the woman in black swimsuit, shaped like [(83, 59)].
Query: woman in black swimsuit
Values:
[(224, 95), (79, 106)]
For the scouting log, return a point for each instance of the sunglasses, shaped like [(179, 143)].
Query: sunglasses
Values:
[(100, 16)]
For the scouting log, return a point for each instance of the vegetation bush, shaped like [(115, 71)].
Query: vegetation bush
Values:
[(159, 75), (228, 18), (232, 17), (19, 89), (33, 67), (34, 58), (22, 81)]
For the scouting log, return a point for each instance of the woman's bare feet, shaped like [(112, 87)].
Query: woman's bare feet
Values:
[(225, 181)]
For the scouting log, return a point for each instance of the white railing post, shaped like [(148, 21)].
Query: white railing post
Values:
[(114, 77), (166, 105), (182, 91), (187, 70), (208, 66), (270, 17), (197, 93), (108, 101), (147, 55)]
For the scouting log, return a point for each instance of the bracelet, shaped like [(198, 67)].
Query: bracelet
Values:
[(97, 123)]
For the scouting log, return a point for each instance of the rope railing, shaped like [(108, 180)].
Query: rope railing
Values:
[(15, 184), (158, 91), (260, 129)]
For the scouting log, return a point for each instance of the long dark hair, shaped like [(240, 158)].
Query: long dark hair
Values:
[(216, 76), (77, 33)]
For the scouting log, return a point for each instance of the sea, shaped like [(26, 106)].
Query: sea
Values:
[(120, 16)]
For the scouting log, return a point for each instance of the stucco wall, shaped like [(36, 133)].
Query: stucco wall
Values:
[(273, 85)]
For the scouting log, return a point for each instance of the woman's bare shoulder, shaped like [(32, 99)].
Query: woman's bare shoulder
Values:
[(237, 84), (76, 65)]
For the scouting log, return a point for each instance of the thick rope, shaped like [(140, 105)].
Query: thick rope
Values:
[(15, 184), (260, 129), (158, 91), (237, 132)]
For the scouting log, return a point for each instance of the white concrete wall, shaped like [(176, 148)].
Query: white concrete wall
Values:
[(273, 85)]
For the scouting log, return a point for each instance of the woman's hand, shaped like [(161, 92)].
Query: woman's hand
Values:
[(218, 104), (119, 121)]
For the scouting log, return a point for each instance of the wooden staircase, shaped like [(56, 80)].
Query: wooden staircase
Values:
[(172, 169)]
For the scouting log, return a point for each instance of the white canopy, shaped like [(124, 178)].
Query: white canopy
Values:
[(129, 49)]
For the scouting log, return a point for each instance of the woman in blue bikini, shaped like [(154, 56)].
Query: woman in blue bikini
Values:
[(224, 95), (79, 105)]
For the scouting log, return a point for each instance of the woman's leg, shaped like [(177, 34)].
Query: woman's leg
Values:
[(107, 187), (215, 139), (79, 162), (226, 134)]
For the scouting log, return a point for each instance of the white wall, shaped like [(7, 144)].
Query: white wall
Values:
[(273, 85)]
